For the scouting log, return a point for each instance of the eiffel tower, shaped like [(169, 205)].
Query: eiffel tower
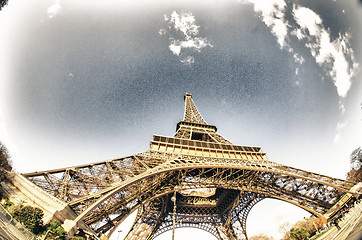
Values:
[(196, 179)]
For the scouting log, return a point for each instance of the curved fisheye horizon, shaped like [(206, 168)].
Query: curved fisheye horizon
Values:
[(83, 82)]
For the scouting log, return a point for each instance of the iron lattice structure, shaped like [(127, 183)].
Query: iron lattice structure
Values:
[(215, 183)]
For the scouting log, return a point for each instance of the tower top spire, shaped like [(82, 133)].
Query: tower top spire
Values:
[(194, 127), (191, 114), (187, 95)]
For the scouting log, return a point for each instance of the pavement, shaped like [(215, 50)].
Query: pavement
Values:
[(349, 230), (356, 234), (5, 233)]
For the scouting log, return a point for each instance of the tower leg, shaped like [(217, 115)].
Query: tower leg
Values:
[(147, 220), (240, 212)]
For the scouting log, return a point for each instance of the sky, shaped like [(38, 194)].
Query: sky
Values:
[(85, 81)]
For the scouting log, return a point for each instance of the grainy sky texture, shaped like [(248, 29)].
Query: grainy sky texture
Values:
[(85, 81)]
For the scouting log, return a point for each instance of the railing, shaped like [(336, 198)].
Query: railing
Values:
[(13, 226)]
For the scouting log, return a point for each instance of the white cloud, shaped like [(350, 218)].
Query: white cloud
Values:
[(188, 60), (194, 43), (336, 57), (162, 32), (341, 106), (54, 9), (273, 15), (175, 48), (184, 35), (185, 23), (298, 58), (339, 129), (307, 19), (337, 137)]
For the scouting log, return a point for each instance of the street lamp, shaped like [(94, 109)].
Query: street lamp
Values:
[(119, 233), (173, 199)]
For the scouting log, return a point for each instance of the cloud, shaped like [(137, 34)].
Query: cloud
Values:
[(185, 23), (339, 129), (54, 9), (188, 60), (272, 13), (162, 32), (184, 33), (336, 57), (307, 19), (196, 43), (298, 58), (175, 48)]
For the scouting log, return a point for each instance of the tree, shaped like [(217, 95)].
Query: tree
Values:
[(313, 224), (285, 229), (5, 163), (29, 216), (3, 3), (302, 229), (299, 233), (355, 174), (356, 159), (56, 230)]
